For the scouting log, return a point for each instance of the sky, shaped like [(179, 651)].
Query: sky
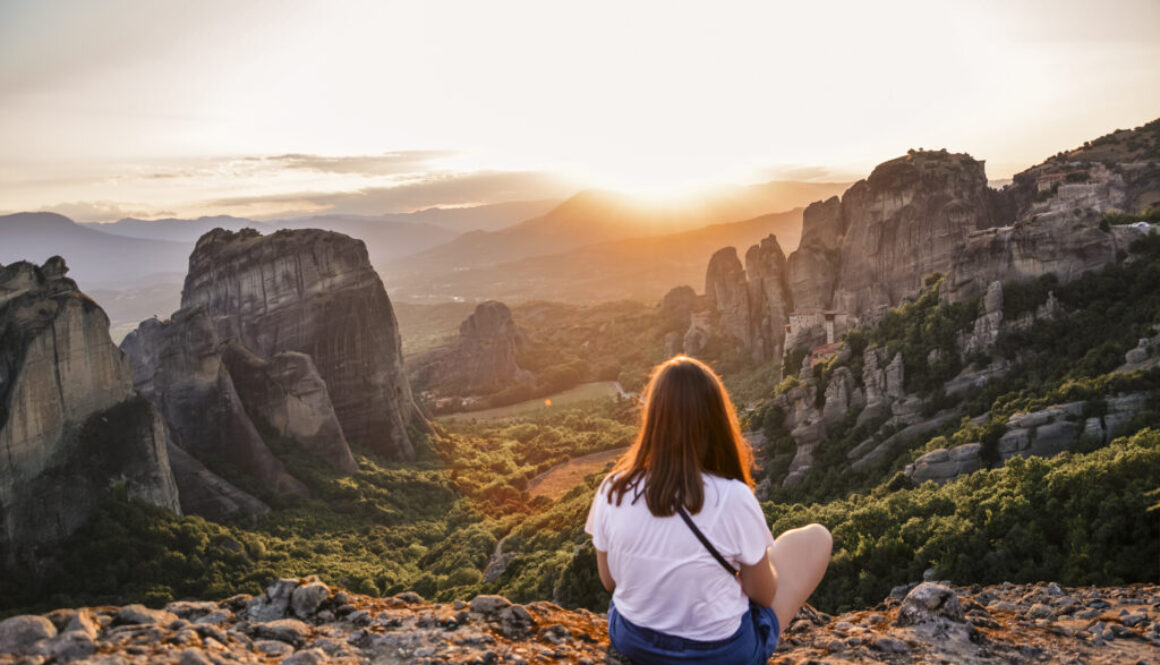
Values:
[(154, 108)]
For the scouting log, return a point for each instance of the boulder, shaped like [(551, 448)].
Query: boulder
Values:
[(19, 634), (930, 602)]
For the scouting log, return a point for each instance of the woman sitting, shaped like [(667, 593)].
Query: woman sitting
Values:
[(681, 542)]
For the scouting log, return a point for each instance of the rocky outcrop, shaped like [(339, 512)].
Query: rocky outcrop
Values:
[(769, 299), (751, 305), (985, 331), (306, 622), (313, 292), (287, 395), (178, 366), (904, 223), (1065, 244), (813, 269), (482, 359), (71, 427), (727, 294)]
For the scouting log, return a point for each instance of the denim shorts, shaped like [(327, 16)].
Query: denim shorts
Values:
[(752, 644)]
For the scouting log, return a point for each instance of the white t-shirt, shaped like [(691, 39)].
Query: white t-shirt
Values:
[(665, 578)]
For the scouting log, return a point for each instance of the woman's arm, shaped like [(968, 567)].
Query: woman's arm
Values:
[(758, 581), (605, 574)]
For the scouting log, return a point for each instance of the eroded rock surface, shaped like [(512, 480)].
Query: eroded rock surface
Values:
[(313, 292), (71, 426), (935, 622), (481, 360)]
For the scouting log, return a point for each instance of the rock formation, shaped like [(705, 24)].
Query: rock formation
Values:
[(71, 427), (305, 622), (751, 305), (769, 299), (178, 366), (281, 335), (904, 223), (813, 268), (313, 292), (286, 394), (727, 293), (482, 359)]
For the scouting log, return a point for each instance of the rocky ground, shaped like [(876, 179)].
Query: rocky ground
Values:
[(303, 622)]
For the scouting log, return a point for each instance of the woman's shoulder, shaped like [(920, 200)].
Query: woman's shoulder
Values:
[(728, 487)]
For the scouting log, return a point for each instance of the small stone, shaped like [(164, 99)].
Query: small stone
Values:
[(1054, 589), (515, 622), (459, 605), (194, 657), (273, 648), (410, 597), (359, 618), (307, 657), (291, 631), (18, 634), (488, 605), (554, 633), (890, 645), (1133, 620), (326, 616), (83, 621), (141, 615), (1040, 611), (71, 645), (190, 610), (307, 598), (236, 603), (215, 617), (186, 637)]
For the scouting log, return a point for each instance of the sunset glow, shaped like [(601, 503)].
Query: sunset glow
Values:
[(130, 107)]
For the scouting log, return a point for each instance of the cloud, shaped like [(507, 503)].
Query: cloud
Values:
[(433, 190), (102, 211), (390, 163)]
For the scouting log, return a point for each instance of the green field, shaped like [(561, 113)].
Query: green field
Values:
[(581, 393)]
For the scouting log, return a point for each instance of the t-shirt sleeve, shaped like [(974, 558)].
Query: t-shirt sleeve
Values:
[(745, 525), (596, 523)]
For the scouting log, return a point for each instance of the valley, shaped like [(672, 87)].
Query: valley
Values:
[(960, 382)]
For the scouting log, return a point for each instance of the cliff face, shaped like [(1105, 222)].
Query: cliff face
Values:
[(178, 366), (70, 425), (749, 304), (932, 212), (313, 292), (483, 358), (904, 223)]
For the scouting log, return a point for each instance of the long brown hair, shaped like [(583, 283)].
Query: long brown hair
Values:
[(688, 427)]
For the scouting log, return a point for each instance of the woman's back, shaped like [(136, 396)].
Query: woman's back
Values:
[(667, 580)]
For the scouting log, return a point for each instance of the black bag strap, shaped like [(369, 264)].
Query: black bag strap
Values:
[(705, 541)]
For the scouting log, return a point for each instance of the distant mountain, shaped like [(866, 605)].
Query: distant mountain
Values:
[(636, 268), (176, 230), (596, 216), (388, 237), (95, 258), (488, 217)]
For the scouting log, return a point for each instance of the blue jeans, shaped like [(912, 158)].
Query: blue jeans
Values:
[(752, 644)]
